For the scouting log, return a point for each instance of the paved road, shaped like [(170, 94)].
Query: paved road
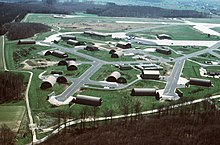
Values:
[(78, 83), (172, 81), (171, 85)]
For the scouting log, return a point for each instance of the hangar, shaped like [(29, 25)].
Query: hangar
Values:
[(143, 92), (71, 65), (164, 36), (150, 74), (47, 52), (48, 82), (163, 50), (74, 42), (61, 80), (91, 48), (59, 54), (116, 77), (99, 34), (123, 45), (87, 100), (112, 51), (26, 41), (200, 82), (62, 63), (67, 37), (117, 54)]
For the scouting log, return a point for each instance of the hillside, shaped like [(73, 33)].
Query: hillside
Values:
[(200, 129)]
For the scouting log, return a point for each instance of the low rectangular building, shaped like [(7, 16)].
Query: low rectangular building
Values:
[(98, 34), (200, 82), (26, 41), (91, 48), (143, 92), (123, 45), (150, 74), (59, 54), (67, 37), (163, 51)]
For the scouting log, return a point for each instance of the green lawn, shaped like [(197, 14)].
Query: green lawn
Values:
[(195, 92), (112, 99), (11, 116), (217, 28), (106, 70), (181, 33), (187, 50)]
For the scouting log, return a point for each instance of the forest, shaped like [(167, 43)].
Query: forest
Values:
[(197, 124), (18, 30), (15, 12), (145, 12), (11, 86)]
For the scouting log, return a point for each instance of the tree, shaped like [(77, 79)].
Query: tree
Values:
[(95, 110), (7, 136), (137, 107)]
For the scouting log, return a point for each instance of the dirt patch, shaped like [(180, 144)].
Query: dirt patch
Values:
[(37, 63)]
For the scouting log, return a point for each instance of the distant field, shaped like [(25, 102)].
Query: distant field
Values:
[(181, 33), (205, 20), (216, 29), (84, 21), (11, 116)]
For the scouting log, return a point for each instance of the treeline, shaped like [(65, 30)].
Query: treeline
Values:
[(145, 12), (15, 12), (197, 124), (11, 86), (18, 30)]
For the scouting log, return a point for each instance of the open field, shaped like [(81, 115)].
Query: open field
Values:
[(11, 116), (82, 21), (106, 70), (180, 33)]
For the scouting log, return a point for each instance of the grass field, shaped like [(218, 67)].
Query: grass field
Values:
[(106, 70), (112, 99), (1, 53), (216, 29), (187, 50), (82, 21), (181, 33), (205, 20), (11, 116), (195, 92)]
